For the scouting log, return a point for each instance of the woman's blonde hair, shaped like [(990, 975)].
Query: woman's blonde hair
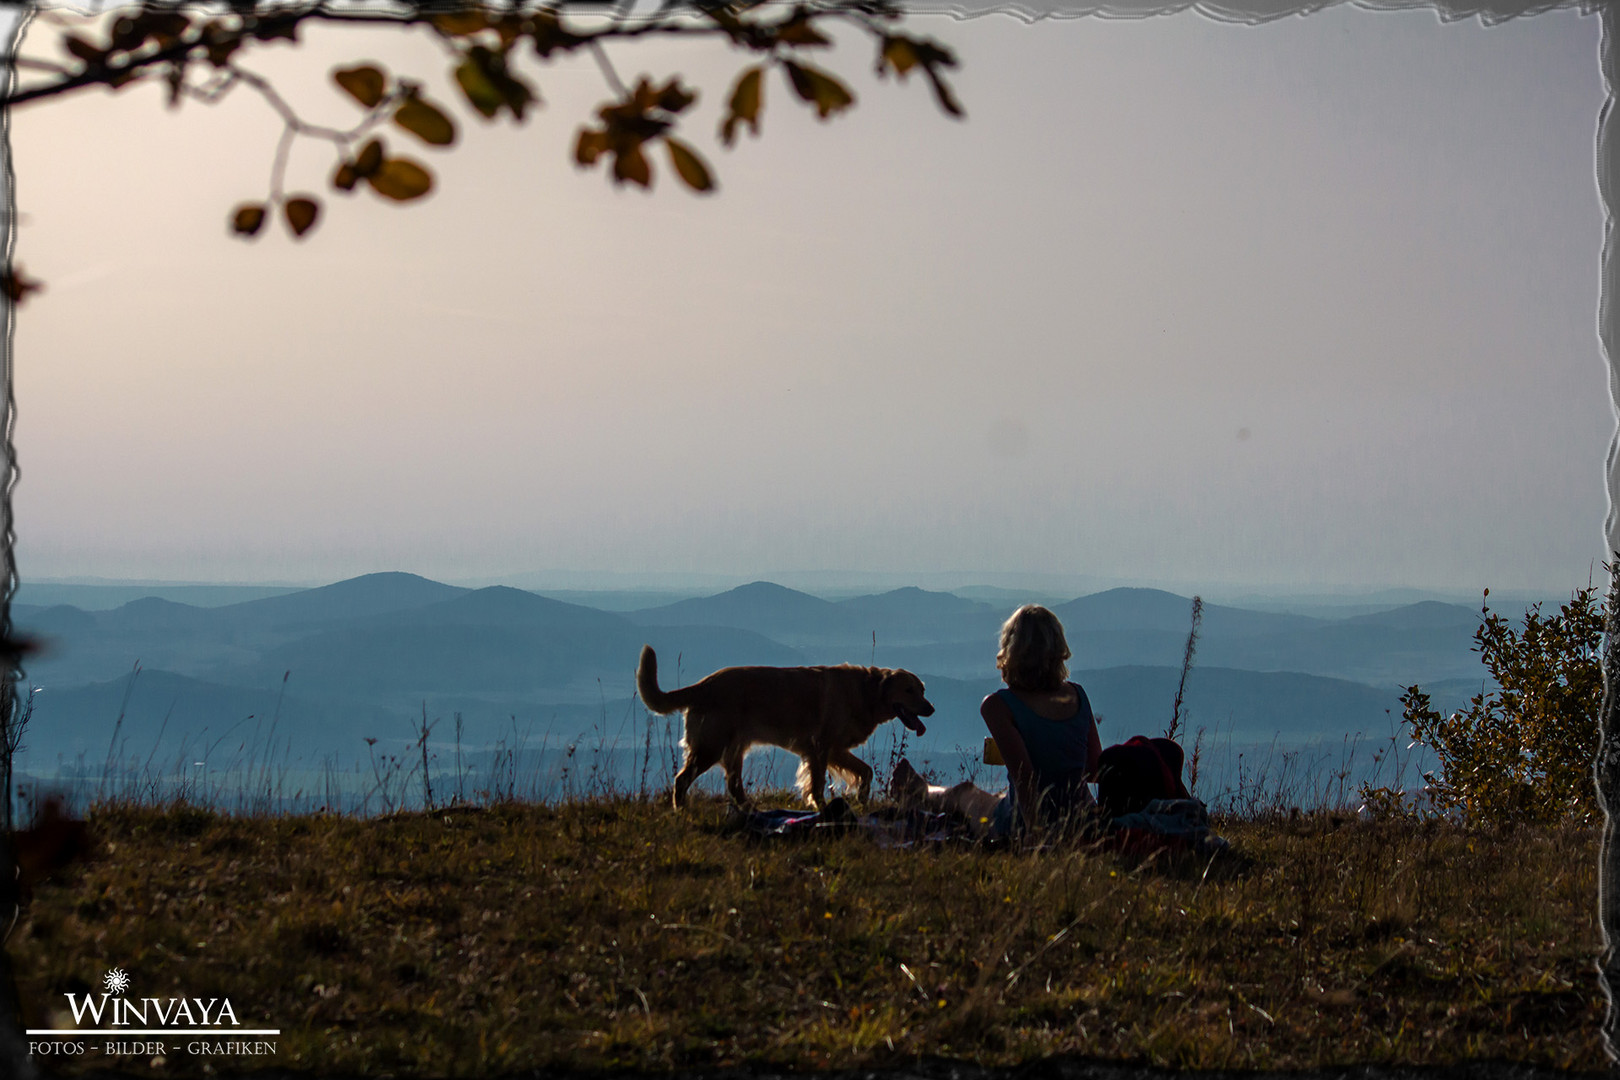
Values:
[(1033, 650)]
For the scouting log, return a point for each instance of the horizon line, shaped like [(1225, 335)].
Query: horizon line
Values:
[(1222, 592)]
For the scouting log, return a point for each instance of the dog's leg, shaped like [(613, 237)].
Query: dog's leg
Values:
[(801, 779), (854, 770), (813, 777), (700, 758), (733, 762)]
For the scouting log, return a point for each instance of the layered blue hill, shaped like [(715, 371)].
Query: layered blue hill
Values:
[(364, 658)]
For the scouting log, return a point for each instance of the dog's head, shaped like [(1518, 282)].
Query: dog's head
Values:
[(902, 695)]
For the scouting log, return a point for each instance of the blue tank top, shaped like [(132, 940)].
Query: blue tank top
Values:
[(1058, 749)]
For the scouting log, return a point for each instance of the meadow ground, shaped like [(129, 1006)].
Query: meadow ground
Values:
[(612, 934)]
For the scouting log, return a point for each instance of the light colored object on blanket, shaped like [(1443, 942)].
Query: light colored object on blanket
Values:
[(1168, 816), (1181, 820)]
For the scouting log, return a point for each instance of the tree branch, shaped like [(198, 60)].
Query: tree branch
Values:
[(608, 72), (276, 24)]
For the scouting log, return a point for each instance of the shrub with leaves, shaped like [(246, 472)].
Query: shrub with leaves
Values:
[(1524, 750)]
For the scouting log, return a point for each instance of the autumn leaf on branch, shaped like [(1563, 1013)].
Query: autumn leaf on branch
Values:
[(397, 178), (746, 101), (219, 43), (688, 165), (900, 54), (130, 32), (549, 35), (248, 219), (826, 93), (301, 213), (646, 113), (461, 23), (401, 179), (425, 120), (800, 31), (366, 84), (489, 86), (363, 166)]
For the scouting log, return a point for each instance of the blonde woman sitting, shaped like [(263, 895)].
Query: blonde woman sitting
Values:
[(1043, 726)]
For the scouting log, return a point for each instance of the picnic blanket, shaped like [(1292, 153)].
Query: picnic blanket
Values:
[(889, 827), (1170, 825)]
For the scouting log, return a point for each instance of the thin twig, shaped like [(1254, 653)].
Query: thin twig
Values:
[(608, 73), (1186, 665)]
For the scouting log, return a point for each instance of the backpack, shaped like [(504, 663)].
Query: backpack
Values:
[(1138, 771)]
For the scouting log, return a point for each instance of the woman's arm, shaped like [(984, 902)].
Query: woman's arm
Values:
[(998, 718)]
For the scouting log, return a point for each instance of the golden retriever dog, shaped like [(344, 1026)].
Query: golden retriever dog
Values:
[(819, 713)]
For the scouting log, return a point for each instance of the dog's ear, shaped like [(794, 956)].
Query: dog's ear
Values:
[(889, 685), (899, 685)]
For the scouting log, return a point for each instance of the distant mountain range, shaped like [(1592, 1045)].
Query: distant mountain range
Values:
[(333, 666)]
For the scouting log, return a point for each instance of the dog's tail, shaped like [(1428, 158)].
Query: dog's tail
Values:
[(647, 684)]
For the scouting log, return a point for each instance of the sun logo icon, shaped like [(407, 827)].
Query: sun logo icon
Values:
[(115, 981)]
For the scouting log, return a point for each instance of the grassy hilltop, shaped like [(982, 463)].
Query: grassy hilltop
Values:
[(612, 934)]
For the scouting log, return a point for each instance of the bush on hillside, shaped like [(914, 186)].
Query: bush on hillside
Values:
[(1523, 751)]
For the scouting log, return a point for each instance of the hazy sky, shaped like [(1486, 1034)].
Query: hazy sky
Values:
[(1181, 302)]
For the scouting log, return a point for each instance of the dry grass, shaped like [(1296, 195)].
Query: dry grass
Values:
[(613, 934)]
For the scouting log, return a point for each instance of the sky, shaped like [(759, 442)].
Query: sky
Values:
[(1300, 306)]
